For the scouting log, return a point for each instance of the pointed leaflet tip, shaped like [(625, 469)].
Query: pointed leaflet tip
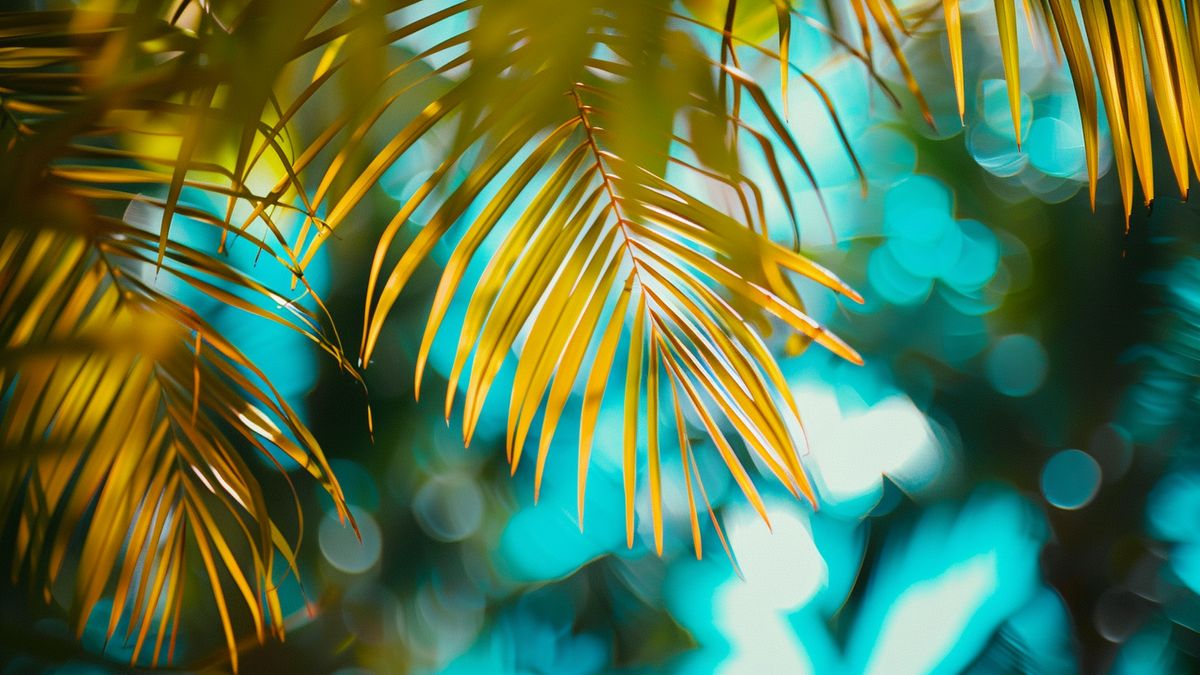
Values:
[(954, 38), (853, 295), (1006, 21)]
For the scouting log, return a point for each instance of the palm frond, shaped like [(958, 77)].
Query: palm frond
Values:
[(554, 134), (577, 159), (1115, 45), (125, 417), (589, 140)]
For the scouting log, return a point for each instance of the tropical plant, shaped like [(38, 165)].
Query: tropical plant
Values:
[(602, 152)]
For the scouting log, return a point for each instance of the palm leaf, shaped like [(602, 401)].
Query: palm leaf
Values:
[(124, 416), (1124, 40), (560, 145), (602, 227), (585, 138)]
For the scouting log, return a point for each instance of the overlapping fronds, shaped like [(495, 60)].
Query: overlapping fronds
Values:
[(1110, 46), (1126, 56), (589, 126), (127, 421), (591, 140), (122, 422), (595, 149), (567, 125)]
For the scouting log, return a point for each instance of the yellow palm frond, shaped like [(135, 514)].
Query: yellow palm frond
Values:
[(602, 231), (1115, 45), (530, 105), (586, 139), (123, 418), (126, 419)]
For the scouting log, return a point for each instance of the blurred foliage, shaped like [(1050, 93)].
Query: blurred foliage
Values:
[(581, 199)]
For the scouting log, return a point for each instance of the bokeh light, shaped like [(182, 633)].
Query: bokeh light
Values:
[(449, 507), (1017, 365), (1070, 479), (342, 548)]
